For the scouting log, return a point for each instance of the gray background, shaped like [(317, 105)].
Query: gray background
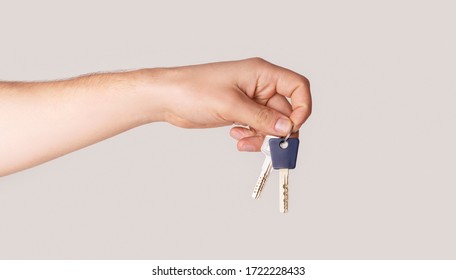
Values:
[(375, 177)]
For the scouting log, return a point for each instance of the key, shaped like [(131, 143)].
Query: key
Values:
[(265, 171), (265, 168), (284, 153)]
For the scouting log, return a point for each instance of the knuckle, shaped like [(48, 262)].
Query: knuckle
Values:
[(257, 61), (304, 81), (308, 110)]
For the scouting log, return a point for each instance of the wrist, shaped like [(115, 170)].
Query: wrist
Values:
[(148, 89)]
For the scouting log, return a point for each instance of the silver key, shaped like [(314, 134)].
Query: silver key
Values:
[(265, 171), (283, 190), (284, 153), (265, 168)]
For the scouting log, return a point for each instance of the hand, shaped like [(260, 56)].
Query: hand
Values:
[(252, 92)]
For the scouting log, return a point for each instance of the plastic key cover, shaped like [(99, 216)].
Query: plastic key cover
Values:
[(284, 157)]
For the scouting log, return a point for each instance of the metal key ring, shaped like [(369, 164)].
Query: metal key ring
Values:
[(288, 135)]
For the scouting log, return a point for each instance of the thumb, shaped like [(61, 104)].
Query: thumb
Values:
[(262, 118)]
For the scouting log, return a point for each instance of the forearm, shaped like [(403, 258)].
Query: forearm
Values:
[(43, 120)]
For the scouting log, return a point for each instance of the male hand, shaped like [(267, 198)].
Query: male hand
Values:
[(251, 92)]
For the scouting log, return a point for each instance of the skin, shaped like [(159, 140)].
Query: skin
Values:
[(40, 121)]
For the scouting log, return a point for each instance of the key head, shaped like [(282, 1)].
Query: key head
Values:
[(284, 154), (265, 146)]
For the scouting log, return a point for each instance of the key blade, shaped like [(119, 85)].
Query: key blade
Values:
[(265, 168), (265, 171), (283, 190)]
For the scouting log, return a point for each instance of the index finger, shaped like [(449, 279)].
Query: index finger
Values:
[(296, 87)]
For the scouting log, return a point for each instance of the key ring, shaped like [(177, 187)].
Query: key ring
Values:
[(288, 135), (284, 143)]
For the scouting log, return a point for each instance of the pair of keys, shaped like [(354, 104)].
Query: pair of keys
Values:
[(281, 154)]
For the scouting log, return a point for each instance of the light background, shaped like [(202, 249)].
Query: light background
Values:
[(376, 173)]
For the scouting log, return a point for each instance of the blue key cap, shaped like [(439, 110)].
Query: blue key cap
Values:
[(284, 156)]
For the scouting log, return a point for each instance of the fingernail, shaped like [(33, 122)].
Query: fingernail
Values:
[(283, 126)]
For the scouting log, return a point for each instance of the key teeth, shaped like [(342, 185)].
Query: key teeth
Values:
[(285, 199), (264, 175), (259, 188), (284, 191)]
